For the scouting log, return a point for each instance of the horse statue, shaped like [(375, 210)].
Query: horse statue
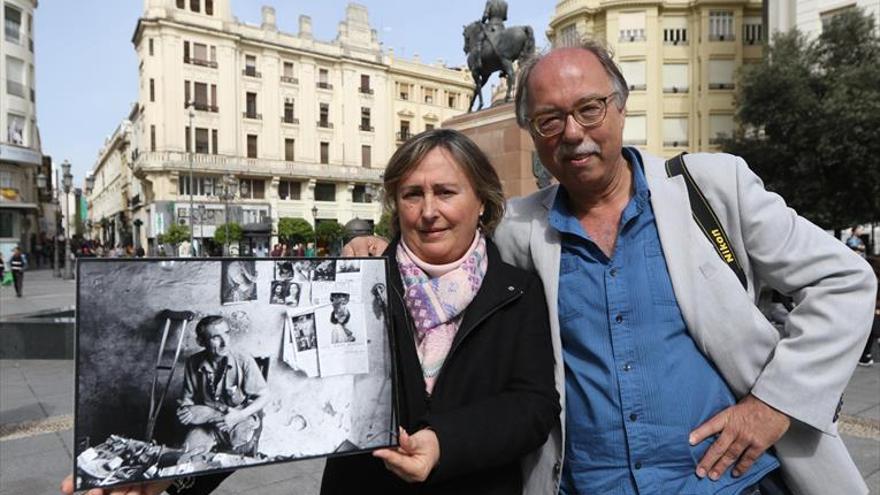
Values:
[(487, 54)]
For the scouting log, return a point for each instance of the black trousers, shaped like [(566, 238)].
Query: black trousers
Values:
[(17, 281)]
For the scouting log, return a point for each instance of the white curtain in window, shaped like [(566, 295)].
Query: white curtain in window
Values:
[(721, 72), (675, 22), (635, 129), (632, 20), (720, 125), (675, 76), (15, 129), (675, 131), (634, 73)]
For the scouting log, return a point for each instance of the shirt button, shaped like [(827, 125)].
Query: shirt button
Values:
[(638, 465), (633, 417), (613, 272), (618, 318), (627, 367)]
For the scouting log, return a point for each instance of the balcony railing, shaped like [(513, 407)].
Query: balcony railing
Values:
[(252, 115), (638, 87), (720, 85), (325, 124), (367, 128), (15, 88), (404, 135), (365, 91), (675, 144), (201, 62), (205, 107), (675, 89), (251, 72), (722, 37), (289, 80), (289, 120), (324, 85)]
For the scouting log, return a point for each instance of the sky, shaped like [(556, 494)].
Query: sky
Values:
[(86, 67)]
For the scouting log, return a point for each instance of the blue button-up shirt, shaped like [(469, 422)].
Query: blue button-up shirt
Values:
[(636, 384)]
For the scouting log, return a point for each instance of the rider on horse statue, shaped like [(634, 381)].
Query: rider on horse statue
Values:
[(494, 16)]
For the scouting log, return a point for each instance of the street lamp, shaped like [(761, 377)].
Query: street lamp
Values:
[(45, 188), (67, 183), (192, 114), (230, 186), (315, 217)]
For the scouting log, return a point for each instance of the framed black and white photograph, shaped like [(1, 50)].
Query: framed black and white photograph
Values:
[(238, 281), (178, 374)]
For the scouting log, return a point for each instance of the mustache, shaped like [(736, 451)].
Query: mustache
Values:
[(568, 151)]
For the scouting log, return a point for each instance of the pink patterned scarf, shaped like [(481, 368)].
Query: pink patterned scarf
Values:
[(436, 304)]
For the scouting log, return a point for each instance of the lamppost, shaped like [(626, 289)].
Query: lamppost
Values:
[(137, 233), (67, 183), (192, 114), (315, 218), (43, 185), (230, 186)]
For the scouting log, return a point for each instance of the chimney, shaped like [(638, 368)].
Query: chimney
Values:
[(305, 27), (269, 18)]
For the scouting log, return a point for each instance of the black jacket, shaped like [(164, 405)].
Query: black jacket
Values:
[(494, 399)]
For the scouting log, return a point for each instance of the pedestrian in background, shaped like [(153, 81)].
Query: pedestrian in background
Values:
[(867, 358), (855, 241), (18, 264)]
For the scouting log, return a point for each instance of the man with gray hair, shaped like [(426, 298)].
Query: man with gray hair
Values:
[(672, 380)]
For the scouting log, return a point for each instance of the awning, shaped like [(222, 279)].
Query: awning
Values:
[(19, 206)]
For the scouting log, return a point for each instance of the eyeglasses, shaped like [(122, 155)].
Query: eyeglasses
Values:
[(588, 113)]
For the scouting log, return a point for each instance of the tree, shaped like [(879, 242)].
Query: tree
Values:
[(383, 228), (294, 230), (810, 113), (175, 235), (235, 234), (329, 232)]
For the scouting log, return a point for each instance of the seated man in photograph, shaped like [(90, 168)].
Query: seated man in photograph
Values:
[(223, 394)]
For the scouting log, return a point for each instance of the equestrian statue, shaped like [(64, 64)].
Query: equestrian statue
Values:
[(491, 47)]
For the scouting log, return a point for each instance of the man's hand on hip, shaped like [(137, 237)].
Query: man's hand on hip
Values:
[(744, 431), (367, 245)]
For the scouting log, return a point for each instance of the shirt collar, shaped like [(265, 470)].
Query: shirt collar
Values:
[(565, 222)]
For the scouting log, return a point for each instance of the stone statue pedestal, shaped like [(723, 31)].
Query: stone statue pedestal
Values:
[(509, 148)]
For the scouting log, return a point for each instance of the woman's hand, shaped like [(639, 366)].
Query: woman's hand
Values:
[(416, 457), (142, 489)]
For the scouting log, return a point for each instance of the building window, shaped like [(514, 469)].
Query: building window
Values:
[(214, 141), (826, 17), (365, 85), (152, 137), (634, 73), (251, 145), (204, 55), (366, 120), (7, 223), (753, 31), (202, 144), (187, 139), (181, 4), (252, 189), (675, 131), (325, 152), (287, 74), (429, 127), (324, 79), (209, 7), (359, 194), (288, 149), (568, 36), (152, 89), (430, 95), (186, 52), (194, 6), (721, 74), (403, 134), (452, 99), (325, 191), (635, 130), (324, 116), (721, 25), (366, 156), (12, 26), (15, 129), (675, 30), (675, 78), (200, 91), (150, 44), (15, 77), (251, 106), (288, 117), (203, 185), (632, 26), (187, 101), (404, 90), (720, 127), (250, 66), (288, 189)]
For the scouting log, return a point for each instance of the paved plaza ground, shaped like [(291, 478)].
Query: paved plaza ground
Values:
[(36, 407)]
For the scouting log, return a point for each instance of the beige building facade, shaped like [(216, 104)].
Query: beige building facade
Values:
[(21, 158), (810, 15), (302, 125), (680, 59)]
